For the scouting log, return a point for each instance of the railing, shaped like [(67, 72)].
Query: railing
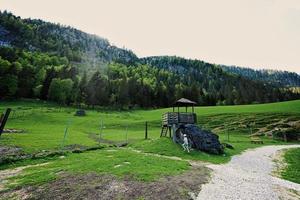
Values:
[(170, 118)]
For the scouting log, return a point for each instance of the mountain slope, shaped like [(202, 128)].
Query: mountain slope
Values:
[(77, 46), (274, 77), (217, 86), (48, 61)]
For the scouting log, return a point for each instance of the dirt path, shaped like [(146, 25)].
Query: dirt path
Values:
[(5, 174), (248, 176), (195, 163)]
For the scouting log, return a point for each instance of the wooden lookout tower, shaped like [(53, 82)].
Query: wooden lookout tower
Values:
[(172, 120)]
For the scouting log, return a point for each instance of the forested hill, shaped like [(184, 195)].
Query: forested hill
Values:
[(274, 77), (215, 85), (79, 48), (52, 62)]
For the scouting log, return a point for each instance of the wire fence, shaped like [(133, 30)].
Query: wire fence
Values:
[(43, 129)]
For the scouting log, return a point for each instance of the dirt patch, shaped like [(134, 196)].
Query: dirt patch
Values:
[(73, 147), (14, 154), (94, 186), (8, 153), (21, 194)]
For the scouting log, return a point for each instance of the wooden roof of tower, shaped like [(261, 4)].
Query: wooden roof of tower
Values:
[(184, 102)]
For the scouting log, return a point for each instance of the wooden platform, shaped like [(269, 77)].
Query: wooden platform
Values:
[(170, 118)]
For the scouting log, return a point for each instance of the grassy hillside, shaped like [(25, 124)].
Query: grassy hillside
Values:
[(141, 163), (146, 168), (291, 172), (44, 123)]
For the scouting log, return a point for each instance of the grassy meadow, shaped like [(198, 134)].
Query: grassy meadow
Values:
[(119, 162), (292, 172), (44, 126)]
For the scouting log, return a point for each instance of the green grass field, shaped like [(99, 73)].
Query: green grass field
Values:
[(119, 162), (292, 172), (44, 124)]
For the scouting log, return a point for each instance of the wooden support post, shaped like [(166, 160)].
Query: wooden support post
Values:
[(173, 131), (4, 120), (146, 130)]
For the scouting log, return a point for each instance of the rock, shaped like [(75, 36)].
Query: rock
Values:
[(226, 145), (9, 130), (200, 139), (80, 113)]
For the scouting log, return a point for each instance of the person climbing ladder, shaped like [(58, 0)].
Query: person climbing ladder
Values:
[(185, 144)]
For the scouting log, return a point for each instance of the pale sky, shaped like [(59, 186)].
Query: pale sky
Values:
[(249, 33)]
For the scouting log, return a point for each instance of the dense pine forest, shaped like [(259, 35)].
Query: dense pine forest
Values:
[(53, 62), (274, 77)]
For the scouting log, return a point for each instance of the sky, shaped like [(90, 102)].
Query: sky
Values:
[(248, 33)]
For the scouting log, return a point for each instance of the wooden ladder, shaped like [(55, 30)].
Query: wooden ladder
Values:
[(164, 131)]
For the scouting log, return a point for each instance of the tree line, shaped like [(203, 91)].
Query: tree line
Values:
[(59, 63), (25, 74), (274, 77)]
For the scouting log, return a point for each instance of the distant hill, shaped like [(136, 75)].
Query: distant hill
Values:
[(49, 61), (215, 83), (273, 77), (80, 48)]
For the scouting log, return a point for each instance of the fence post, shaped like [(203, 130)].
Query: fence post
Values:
[(227, 134), (146, 130), (126, 134), (4, 119), (65, 134), (100, 134)]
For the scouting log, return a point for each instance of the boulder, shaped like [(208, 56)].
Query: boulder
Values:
[(200, 139), (80, 112)]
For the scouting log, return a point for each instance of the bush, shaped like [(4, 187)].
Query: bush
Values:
[(290, 134)]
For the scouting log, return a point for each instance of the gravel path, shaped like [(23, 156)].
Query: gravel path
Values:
[(248, 176)]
